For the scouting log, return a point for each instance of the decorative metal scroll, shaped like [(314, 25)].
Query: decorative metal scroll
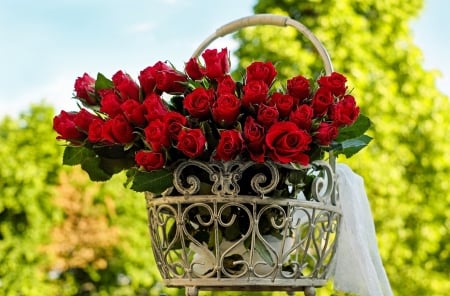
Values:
[(228, 178), (227, 229)]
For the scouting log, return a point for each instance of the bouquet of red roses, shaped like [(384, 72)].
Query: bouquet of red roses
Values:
[(204, 113)]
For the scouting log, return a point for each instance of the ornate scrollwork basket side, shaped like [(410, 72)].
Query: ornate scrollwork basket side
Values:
[(249, 241)]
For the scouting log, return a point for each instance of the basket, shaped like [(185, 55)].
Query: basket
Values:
[(234, 233)]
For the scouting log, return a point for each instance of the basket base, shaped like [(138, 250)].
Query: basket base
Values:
[(252, 284)]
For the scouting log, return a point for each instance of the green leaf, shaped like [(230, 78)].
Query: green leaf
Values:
[(263, 252), (357, 129), (115, 165), (155, 181), (76, 155), (352, 146), (92, 166), (103, 83)]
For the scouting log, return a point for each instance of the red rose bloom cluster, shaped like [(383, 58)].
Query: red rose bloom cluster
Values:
[(203, 113)]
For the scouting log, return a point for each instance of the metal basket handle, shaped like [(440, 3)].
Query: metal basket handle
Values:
[(268, 19)]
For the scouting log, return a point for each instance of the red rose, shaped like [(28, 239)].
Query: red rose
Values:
[(110, 102), (128, 89), (174, 122), (321, 101), (193, 70), (264, 71), (267, 115), (65, 126), (283, 102), (83, 119), (154, 107), (302, 116), (335, 83), (198, 102), (255, 93), (107, 136), (147, 77), (121, 130), (230, 145), (345, 112), (298, 87), (225, 109), (254, 138), (226, 85), (287, 143), (170, 81), (156, 135), (95, 131), (325, 134), (191, 142), (149, 160), (85, 89), (135, 112), (217, 63)]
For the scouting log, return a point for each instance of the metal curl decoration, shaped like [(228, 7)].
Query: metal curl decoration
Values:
[(323, 185), (225, 177)]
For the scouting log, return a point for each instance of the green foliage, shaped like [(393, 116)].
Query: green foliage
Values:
[(30, 165), (60, 233), (155, 181), (405, 168)]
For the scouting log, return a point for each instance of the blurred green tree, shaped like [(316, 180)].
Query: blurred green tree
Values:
[(61, 234), (405, 168), (29, 167)]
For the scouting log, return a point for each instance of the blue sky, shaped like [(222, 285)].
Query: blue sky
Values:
[(46, 44)]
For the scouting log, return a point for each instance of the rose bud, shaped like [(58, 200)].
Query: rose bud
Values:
[(110, 103), (149, 160), (226, 85), (156, 135), (134, 112), (264, 71), (217, 64), (191, 142), (321, 101), (255, 93), (174, 122), (267, 115), (225, 109), (192, 69), (127, 88), (65, 126), (83, 119), (283, 102), (198, 102), (170, 81), (230, 145), (85, 89), (122, 130), (325, 134), (302, 116), (254, 139), (298, 87), (95, 131), (345, 112), (154, 107), (335, 82)]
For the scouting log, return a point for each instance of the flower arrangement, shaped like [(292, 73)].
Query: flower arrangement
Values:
[(203, 113)]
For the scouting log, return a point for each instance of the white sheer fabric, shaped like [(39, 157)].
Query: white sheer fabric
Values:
[(358, 266)]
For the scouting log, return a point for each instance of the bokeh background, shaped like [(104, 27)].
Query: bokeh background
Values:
[(61, 234)]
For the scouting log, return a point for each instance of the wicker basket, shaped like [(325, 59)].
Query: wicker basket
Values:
[(235, 234)]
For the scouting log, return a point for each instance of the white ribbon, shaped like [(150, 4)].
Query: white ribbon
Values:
[(358, 265)]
